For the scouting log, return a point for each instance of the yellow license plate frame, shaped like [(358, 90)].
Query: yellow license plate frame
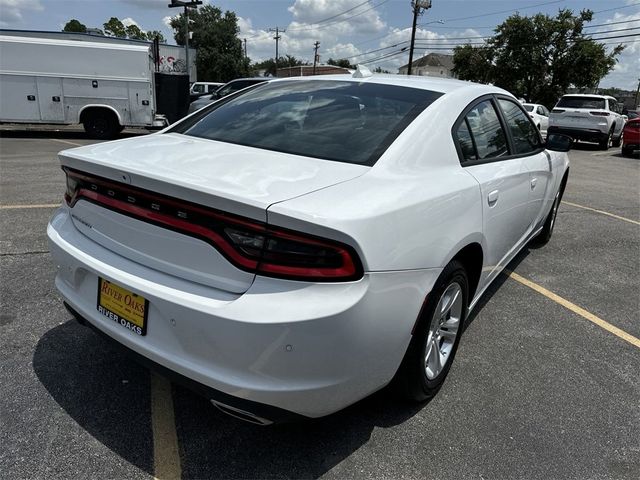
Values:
[(124, 307)]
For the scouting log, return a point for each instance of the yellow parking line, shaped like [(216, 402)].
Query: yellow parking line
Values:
[(166, 456), (37, 205), (602, 212), (576, 309), (67, 142)]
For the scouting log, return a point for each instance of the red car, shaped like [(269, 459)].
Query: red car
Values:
[(631, 136)]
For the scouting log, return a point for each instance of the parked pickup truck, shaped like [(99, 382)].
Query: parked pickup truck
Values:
[(592, 118)]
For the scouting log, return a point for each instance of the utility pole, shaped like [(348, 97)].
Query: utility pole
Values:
[(315, 55), (637, 105), (245, 48), (277, 39), (416, 5), (186, 5)]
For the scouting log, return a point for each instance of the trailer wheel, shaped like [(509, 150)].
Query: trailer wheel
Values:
[(101, 124)]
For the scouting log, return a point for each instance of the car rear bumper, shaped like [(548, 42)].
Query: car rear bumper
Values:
[(282, 349), (587, 135)]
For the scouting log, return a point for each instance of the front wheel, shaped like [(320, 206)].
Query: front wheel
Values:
[(435, 341)]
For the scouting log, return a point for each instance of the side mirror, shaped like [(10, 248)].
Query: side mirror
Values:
[(558, 142)]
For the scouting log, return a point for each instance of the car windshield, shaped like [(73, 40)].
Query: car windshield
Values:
[(528, 108), (581, 102), (335, 120), (631, 114)]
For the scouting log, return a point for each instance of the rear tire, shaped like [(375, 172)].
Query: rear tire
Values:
[(616, 142), (435, 341), (604, 143), (101, 125), (627, 151)]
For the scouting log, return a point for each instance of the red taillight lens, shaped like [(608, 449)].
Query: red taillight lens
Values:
[(557, 110), (600, 114), (632, 125), (249, 245)]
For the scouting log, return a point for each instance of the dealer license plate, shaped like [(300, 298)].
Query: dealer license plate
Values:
[(122, 306)]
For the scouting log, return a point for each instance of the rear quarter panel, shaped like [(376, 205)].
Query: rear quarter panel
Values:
[(416, 207)]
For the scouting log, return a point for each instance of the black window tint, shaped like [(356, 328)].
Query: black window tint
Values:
[(524, 132), (487, 131), (334, 120), (581, 102), (466, 143)]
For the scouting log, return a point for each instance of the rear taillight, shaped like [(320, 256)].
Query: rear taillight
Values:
[(557, 110), (600, 114), (632, 125), (249, 245)]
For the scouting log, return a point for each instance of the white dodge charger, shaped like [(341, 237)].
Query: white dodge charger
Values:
[(295, 247)]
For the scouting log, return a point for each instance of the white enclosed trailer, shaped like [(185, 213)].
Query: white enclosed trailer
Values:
[(103, 86)]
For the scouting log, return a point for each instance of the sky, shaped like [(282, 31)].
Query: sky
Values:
[(371, 31)]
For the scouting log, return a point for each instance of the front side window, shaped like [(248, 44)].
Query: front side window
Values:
[(485, 126), (524, 133), (334, 120), (198, 88)]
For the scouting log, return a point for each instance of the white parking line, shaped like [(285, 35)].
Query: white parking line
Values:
[(67, 142), (624, 219), (36, 205)]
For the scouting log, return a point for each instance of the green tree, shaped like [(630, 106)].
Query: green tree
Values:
[(152, 34), (74, 25), (115, 28), (220, 55), (380, 70), (134, 32), (269, 65), (539, 57), (341, 62)]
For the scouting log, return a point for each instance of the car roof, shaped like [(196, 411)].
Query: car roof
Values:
[(435, 84), (589, 95)]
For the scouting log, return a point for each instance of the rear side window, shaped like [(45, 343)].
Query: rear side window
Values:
[(582, 102), (334, 120), (524, 133), (488, 135), (465, 141)]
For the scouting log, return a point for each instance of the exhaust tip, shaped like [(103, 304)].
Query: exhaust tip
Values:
[(241, 414)]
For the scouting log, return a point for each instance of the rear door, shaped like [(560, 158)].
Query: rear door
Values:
[(525, 141), (504, 180)]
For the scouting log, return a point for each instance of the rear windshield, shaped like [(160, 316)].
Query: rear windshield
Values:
[(329, 119), (582, 102), (528, 108)]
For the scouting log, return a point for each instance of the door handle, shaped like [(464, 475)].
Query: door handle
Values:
[(492, 198), (534, 182), (31, 98), (55, 98)]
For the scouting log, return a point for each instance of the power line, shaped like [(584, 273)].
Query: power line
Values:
[(612, 23), (317, 27), (503, 11)]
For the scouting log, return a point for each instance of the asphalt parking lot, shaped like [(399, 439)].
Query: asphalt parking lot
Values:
[(546, 383)]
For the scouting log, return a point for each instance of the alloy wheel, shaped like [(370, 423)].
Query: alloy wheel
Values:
[(443, 330)]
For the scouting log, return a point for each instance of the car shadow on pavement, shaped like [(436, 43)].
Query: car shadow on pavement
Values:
[(108, 395), (100, 389)]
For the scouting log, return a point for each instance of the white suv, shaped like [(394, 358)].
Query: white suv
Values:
[(592, 118)]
